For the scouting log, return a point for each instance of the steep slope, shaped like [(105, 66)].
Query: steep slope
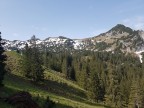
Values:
[(119, 38)]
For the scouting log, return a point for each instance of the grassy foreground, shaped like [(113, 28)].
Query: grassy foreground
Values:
[(14, 84)]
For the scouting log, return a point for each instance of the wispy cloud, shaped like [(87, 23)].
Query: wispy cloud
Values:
[(135, 22)]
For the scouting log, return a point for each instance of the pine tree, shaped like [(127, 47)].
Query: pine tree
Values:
[(26, 65), (2, 59), (136, 96), (94, 86), (76, 68), (32, 62), (124, 90), (72, 73), (64, 66), (46, 59), (67, 67), (83, 78), (112, 94), (36, 62)]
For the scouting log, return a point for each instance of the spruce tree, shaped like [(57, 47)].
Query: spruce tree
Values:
[(46, 59), (84, 79), (67, 67), (64, 67), (124, 90), (26, 65), (2, 59), (112, 95), (32, 65), (72, 73), (136, 96), (36, 62), (94, 86)]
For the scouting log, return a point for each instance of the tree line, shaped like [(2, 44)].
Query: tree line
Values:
[(111, 78)]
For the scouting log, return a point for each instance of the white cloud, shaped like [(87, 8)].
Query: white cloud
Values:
[(136, 22)]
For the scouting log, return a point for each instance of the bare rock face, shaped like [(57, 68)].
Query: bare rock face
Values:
[(22, 100)]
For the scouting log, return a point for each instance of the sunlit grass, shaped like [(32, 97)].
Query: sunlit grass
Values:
[(14, 84)]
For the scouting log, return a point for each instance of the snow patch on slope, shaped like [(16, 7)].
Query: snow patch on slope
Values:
[(78, 44), (141, 33), (139, 53)]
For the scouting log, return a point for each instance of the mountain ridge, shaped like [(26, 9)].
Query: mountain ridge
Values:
[(119, 37)]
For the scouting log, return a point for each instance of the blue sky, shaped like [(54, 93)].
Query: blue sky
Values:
[(20, 19)]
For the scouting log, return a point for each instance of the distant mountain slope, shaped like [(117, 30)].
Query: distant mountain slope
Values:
[(119, 37)]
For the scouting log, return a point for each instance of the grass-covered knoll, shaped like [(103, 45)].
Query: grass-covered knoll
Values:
[(65, 93)]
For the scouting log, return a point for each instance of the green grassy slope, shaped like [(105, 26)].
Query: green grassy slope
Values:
[(14, 83), (65, 93), (13, 62)]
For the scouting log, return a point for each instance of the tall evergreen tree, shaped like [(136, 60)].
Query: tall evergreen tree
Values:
[(67, 67), (94, 86), (113, 89), (72, 73), (27, 62), (36, 62), (33, 62), (64, 66), (136, 96), (2, 59)]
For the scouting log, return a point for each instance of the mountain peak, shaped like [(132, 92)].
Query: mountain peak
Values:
[(120, 25), (120, 28)]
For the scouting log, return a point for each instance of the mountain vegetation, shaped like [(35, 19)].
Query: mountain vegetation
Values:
[(105, 72), (119, 37), (106, 76), (32, 67), (2, 64)]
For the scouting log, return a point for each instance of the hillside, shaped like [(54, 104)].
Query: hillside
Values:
[(119, 37), (106, 70), (77, 80), (65, 93)]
